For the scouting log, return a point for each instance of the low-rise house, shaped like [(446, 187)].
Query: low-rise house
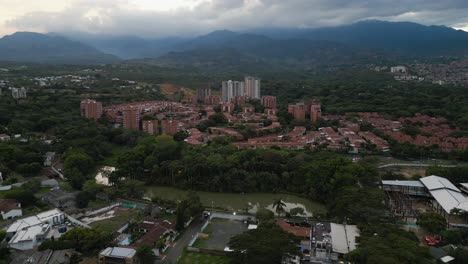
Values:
[(10, 208), (157, 233), (4, 137), (29, 232), (112, 255)]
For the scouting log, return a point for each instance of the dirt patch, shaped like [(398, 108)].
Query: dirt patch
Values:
[(410, 172), (167, 88)]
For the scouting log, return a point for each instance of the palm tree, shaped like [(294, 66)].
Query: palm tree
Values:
[(279, 205)]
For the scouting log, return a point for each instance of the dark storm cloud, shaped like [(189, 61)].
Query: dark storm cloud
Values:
[(113, 17)]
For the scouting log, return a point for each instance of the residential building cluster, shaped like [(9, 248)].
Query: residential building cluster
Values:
[(154, 117), (165, 117), (310, 108), (455, 72), (433, 131), (18, 93), (249, 88)]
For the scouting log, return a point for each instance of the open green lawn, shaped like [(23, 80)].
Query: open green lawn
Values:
[(116, 222), (201, 258), (98, 203), (235, 201)]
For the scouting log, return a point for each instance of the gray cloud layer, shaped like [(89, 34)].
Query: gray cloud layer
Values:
[(112, 16)]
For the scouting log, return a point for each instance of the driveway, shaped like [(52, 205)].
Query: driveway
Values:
[(173, 253)]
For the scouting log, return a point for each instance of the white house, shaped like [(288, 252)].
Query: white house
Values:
[(10, 208), (29, 232)]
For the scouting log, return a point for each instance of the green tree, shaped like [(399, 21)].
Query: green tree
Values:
[(78, 160), (279, 205), (87, 240), (382, 243), (2, 235), (145, 254), (296, 211), (266, 244), (264, 215), (432, 222)]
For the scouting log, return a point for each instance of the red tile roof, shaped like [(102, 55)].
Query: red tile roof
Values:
[(295, 230)]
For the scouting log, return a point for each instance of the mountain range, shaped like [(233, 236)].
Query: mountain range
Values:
[(364, 41), (41, 48)]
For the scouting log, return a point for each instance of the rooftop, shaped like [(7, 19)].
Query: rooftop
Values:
[(6, 205), (118, 252), (403, 183), (435, 182), (295, 230), (343, 237)]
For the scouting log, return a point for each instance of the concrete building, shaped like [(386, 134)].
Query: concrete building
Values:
[(252, 87), (169, 127), (226, 91), (91, 109), (269, 101), (113, 255), (150, 127), (398, 69), (10, 208), (131, 118), (18, 93), (202, 93)]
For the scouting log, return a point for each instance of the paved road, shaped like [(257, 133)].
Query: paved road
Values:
[(172, 254)]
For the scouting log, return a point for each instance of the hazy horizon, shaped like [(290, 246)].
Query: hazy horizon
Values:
[(188, 18)]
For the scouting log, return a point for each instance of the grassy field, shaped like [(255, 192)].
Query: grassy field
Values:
[(234, 201), (114, 223), (202, 258)]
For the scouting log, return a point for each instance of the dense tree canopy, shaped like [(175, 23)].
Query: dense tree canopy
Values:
[(266, 244), (386, 244)]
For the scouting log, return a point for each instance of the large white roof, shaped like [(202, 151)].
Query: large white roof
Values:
[(343, 237), (435, 182), (27, 234), (449, 199), (404, 183), (44, 216), (23, 223), (118, 252)]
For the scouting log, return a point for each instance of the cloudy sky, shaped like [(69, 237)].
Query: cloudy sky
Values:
[(161, 18)]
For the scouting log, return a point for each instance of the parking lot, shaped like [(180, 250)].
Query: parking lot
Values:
[(220, 232)]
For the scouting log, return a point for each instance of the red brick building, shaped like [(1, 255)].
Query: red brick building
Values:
[(169, 127), (91, 109), (212, 100), (150, 127), (269, 101), (239, 100), (297, 111), (131, 118), (315, 111)]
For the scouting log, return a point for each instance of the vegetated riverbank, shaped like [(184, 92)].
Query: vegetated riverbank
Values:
[(239, 202)]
